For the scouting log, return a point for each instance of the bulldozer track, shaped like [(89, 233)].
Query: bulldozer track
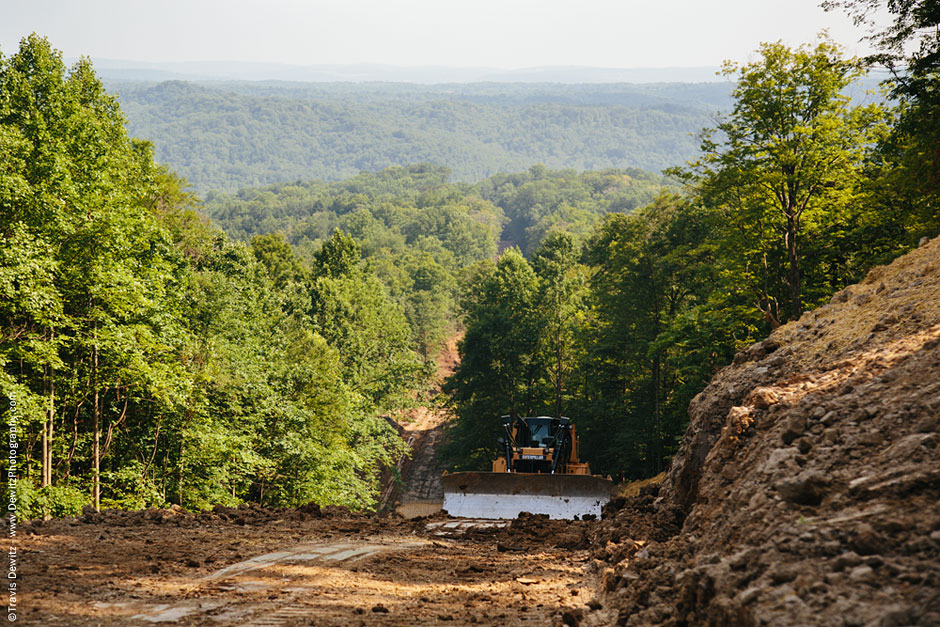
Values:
[(460, 527)]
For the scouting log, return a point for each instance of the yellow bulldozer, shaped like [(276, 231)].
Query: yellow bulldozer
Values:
[(539, 472)]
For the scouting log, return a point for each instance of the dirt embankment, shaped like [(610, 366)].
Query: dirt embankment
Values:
[(807, 488)]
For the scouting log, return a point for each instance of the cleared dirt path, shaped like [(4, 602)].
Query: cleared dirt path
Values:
[(421, 491), (333, 570)]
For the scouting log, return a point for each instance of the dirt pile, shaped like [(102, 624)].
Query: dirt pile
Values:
[(175, 516), (806, 489), (534, 532)]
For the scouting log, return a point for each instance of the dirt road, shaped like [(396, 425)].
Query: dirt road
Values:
[(421, 493), (260, 567)]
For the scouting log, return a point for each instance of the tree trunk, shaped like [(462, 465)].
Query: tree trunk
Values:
[(45, 431), (559, 383), (182, 457), (179, 478), (47, 434), (96, 474), (656, 447), (793, 275)]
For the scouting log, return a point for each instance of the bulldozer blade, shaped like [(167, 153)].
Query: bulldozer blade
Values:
[(505, 494)]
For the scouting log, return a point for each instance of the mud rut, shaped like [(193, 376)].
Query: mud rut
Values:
[(250, 566)]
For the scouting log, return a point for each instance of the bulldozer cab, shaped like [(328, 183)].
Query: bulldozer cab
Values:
[(536, 432), (536, 444)]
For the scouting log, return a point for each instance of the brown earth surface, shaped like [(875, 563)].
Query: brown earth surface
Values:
[(420, 492), (251, 566)]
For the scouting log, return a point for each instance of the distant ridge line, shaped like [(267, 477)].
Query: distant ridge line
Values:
[(370, 72)]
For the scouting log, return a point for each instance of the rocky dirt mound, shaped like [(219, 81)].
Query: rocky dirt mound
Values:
[(807, 488), (535, 532)]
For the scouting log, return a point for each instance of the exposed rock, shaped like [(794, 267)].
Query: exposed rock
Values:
[(849, 559), (861, 573), (793, 428), (808, 488), (762, 398)]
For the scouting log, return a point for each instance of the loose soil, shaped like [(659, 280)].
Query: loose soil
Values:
[(251, 566)]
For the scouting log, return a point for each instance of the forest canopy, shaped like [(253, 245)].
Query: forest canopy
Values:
[(225, 136), (153, 360), (797, 192)]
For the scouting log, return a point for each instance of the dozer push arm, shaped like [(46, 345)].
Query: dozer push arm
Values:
[(562, 446), (509, 442)]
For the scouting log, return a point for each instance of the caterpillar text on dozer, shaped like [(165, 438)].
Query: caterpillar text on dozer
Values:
[(539, 473)]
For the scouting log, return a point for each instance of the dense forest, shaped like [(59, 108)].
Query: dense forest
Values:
[(224, 136), (155, 355), (519, 209)]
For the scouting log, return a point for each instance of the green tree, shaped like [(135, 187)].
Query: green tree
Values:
[(560, 302), (153, 359), (909, 46), (351, 309), (658, 324), (787, 156), (78, 189)]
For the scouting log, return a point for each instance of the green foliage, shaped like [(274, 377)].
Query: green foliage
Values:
[(419, 232), (539, 201), (793, 197), (785, 167), (55, 501), (560, 302), (908, 178), (658, 328), (156, 360), (127, 487), (352, 310), (500, 367)]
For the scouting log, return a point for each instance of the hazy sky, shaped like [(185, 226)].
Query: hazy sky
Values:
[(492, 33)]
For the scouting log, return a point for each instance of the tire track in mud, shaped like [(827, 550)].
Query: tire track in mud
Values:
[(244, 578)]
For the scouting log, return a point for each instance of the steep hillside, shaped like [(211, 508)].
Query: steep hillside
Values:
[(806, 488)]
